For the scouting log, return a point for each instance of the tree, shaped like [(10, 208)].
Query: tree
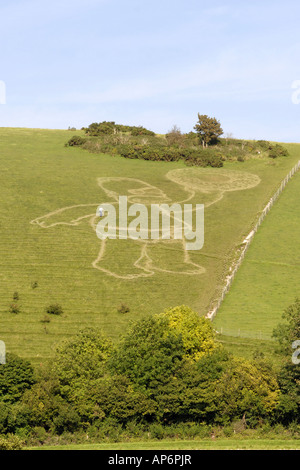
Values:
[(174, 136), (247, 389), (209, 129), (198, 335), (80, 361), (148, 353), (289, 331), (289, 375), (16, 376)]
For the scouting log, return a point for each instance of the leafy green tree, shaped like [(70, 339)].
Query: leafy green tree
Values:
[(16, 376), (43, 406), (197, 333), (288, 331), (190, 393), (289, 375), (208, 129), (115, 397), (248, 389), (80, 361), (148, 353)]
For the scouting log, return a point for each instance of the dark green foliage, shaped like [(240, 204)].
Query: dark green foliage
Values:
[(288, 331), (108, 128), (16, 376), (115, 397), (277, 151), (76, 140), (54, 309), (289, 375), (43, 406), (208, 129), (136, 142), (195, 157), (123, 308), (5, 413), (141, 131), (148, 382), (189, 394), (148, 354)]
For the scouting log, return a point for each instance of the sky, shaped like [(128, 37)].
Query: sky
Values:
[(152, 63)]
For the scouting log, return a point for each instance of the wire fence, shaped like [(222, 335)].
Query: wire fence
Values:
[(246, 243), (241, 333)]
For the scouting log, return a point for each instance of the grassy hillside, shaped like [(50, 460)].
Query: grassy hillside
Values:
[(269, 278), (52, 261)]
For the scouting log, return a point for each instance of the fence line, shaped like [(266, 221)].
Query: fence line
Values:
[(246, 243), (241, 333)]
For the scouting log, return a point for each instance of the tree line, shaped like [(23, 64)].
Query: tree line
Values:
[(167, 370)]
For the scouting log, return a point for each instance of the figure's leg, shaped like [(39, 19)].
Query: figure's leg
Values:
[(121, 259), (170, 256)]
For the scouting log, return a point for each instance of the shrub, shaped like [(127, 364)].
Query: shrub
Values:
[(10, 442), (277, 151), (54, 309), (14, 308), (123, 308), (76, 140), (16, 296)]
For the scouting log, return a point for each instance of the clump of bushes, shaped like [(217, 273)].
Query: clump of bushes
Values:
[(54, 309), (137, 142), (11, 442), (110, 127), (277, 151), (14, 306), (76, 140)]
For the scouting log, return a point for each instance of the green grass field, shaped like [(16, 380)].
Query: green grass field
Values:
[(203, 444), (269, 278), (40, 176)]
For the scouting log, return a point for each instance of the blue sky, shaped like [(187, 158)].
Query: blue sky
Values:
[(153, 63)]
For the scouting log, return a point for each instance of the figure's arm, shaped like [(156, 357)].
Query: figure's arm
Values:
[(72, 215)]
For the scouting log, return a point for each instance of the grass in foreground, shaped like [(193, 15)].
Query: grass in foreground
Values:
[(203, 444)]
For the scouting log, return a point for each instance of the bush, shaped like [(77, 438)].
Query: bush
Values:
[(16, 297), (14, 308), (278, 151), (10, 442), (54, 309), (123, 308), (67, 419), (156, 431), (76, 140)]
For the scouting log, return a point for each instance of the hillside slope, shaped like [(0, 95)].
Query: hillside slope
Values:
[(49, 252)]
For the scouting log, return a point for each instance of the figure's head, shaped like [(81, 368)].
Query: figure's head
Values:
[(212, 182), (137, 191)]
